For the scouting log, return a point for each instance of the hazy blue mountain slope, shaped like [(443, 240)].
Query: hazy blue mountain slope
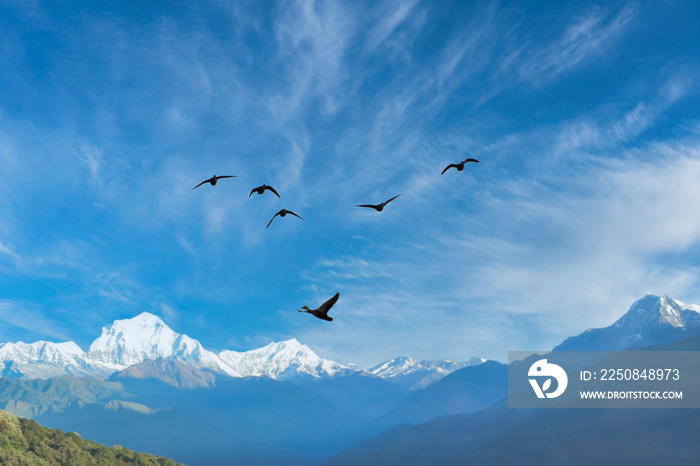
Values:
[(433, 442), (360, 396), (30, 398), (464, 391), (164, 432), (169, 370), (596, 436), (501, 435), (257, 420)]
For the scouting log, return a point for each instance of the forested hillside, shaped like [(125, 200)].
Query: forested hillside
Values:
[(25, 442)]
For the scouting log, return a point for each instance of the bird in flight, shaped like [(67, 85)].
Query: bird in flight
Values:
[(281, 213), (322, 312), (378, 207), (214, 179), (459, 166), (261, 189)]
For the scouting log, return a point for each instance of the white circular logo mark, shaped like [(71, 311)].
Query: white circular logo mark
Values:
[(542, 368)]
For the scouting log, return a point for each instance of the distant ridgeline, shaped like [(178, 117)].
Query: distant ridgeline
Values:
[(23, 441)]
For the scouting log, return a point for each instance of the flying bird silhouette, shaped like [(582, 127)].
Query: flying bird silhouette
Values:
[(459, 166), (378, 207), (261, 189), (214, 179), (281, 213), (322, 312)]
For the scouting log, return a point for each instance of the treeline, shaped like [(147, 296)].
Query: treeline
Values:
[(25, 442)]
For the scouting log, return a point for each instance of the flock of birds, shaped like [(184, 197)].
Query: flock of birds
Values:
[(322, 311)]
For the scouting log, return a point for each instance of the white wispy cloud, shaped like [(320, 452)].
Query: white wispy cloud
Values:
[(469, 53), (312, 40), (116, 286), (8, 251), (582, 39), (423, 90), (346, 268), (609, 128), (90, 156), (170, 314), (391, 17), (31, 322)]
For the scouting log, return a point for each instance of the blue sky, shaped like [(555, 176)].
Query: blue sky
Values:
[(584, 118)]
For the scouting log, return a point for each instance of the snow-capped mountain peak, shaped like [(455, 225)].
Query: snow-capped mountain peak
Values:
[(144, 337), (282, 360), (417, 374), (40, 351), (650, 320), (652, 310), (41, 359), (131, 341), (406, 365), (396, 366)]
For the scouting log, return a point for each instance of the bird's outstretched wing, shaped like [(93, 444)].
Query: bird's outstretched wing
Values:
[(273, 190), (292, 213), (471, 160), (273, 217), (367, 205), (385, 203), (325, 307), (205, 181), (448, 167), (251, 193), (214, 179)]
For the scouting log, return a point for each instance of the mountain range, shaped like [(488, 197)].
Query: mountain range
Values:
[(142, 343), (144, 386), (413, 374), (145, 337)]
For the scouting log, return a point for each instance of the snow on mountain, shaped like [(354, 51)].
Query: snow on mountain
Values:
[(283, 360), (129, 343), (404, 365), (144, 337), (41, 359), (651, 312), (40, 351), (419, 374), (146, 344), (650, 320)]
